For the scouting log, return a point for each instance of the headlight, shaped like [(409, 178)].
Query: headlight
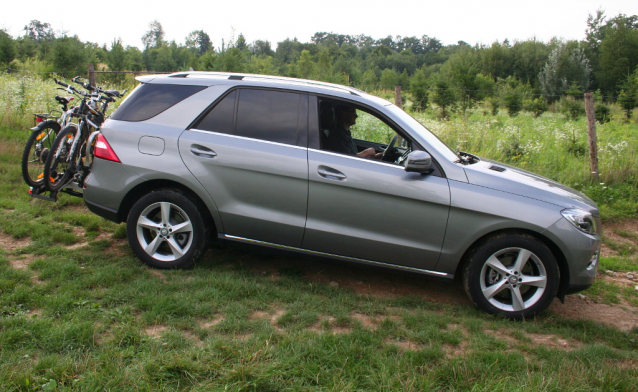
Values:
[(582, 220)]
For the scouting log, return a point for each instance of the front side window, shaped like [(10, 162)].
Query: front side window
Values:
[(346, 128)]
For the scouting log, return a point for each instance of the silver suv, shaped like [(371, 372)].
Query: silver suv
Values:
[(329, 170)]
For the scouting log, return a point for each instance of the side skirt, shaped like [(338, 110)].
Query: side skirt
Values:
[(434, 274)]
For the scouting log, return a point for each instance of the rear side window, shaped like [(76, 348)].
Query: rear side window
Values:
[(149, 100), (269, 115), (274, 116)]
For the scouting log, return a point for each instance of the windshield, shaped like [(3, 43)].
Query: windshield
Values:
[(425, 133)]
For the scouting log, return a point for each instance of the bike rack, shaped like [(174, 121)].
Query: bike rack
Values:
[(70, 188)]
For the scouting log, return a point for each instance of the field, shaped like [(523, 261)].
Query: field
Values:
[(79, 312)]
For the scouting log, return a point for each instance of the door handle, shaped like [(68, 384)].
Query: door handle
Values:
[(203, 152), (331, 174)]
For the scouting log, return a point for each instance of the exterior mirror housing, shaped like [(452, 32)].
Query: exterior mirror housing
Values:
[(419, 162)]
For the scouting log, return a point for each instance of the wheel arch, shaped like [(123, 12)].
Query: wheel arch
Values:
[(558, 255), (155, 185)]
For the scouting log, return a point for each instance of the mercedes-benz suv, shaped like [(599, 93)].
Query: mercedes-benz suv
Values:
[(332, 171)]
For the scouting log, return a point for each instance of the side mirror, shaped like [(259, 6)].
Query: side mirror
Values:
[(419, 162)]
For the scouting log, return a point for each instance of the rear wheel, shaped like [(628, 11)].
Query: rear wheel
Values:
[(166, 230), (514, 275), (59, 166), (35, 155)]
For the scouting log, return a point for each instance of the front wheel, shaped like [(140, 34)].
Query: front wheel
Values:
[(59, 165), (166, 230), (514, 275), (35, 154)]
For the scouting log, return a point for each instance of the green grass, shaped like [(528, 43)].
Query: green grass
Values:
[(79, 312)]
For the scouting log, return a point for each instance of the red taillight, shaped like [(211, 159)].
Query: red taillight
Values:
[(38, 119), (103, 150)]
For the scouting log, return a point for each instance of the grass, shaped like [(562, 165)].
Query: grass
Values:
[(79, 312)]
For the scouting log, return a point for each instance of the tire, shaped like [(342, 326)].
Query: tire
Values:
[(35, 154), (514, 275), (58, 170), (152, 223)]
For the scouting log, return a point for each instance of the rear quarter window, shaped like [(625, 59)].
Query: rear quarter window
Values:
[(149, 100)]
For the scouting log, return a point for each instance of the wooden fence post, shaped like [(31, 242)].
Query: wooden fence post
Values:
[(92, 75), (397, 97), (591, 136)]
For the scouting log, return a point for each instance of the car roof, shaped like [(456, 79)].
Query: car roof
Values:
[(237, 79)]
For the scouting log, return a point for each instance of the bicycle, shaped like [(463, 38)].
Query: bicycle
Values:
[(66, 162), (41, 141)]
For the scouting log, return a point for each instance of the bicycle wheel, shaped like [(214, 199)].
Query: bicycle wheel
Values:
[(59, 167), (36, 152)]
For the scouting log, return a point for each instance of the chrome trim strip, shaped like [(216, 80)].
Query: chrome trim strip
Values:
[(354, 259), (246, 138), (389, 164)]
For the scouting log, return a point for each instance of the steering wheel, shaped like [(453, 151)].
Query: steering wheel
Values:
[(387, 153)]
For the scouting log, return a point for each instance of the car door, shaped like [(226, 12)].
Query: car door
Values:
[(373, 210), (249, 152)]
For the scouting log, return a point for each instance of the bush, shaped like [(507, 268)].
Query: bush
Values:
[(536, 106), (602, 113), (571, 108)]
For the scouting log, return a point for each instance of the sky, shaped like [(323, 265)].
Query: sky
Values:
[(475, 22)]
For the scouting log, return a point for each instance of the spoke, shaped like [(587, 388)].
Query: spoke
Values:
[(517, 298), (184, 227), (497, 265), (521, 260), (494, 289), (147, 223), (166, 212), (175, 248), (538, 281), (152, 247)]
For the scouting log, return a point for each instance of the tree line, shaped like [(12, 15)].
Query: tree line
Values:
[(523, 75)]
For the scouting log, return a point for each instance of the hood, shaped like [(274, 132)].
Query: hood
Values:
[(495, 175)]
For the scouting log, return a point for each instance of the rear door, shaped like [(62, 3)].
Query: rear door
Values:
[(249, 152)]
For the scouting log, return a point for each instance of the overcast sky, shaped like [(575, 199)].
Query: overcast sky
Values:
[(450, 21)]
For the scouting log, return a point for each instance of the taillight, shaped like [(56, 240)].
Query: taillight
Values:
[(103, 149), (38, 119)]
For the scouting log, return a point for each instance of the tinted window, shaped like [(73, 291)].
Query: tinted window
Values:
[(220, 118), (149, 100), (272, 115)]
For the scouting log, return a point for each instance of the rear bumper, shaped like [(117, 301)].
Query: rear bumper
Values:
[(104, 212)]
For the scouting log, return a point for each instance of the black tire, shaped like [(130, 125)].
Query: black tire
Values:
[(498, 284), (58, 170), (152, 235), (35, 154)]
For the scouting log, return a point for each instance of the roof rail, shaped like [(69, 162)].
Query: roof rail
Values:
[(233, 76)]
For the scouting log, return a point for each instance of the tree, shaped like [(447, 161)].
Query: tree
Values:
[(38, 31), (68, 56), (628, 98), (199, 41), (305, 65), (154, 37), (116, 57), (389, 79), (261, 48), (512, 94), (241, 43), (441, 94), (618, 55), (7, 48), (419, 88), (566, 65)]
